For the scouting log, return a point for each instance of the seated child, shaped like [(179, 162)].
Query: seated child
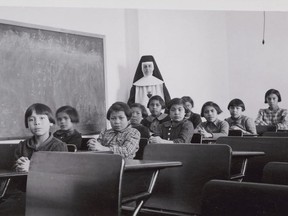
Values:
[(193, 117), (273, 115), (237, 121), (213, 127), (67, 117), (178, 129), (155, 104), (38, 118), (138, 113), (122, 139)]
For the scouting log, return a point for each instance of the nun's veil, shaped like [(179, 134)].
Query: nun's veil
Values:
[(139, 74)]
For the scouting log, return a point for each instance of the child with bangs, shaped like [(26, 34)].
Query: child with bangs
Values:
[(273, 115), (213, 127), (238, 121), (121, 139), (178, 129), (193, 117), (67, 117), (39, 119), (155, 104), (138, 113)]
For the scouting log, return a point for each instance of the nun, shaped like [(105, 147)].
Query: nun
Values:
[(147, 82)]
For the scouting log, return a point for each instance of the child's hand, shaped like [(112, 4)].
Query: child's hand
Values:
[(155, 139), (22, 164), (235, 127), (204, 133), (94, 145)]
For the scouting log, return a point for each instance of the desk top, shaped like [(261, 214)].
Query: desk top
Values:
[(149, 164), (247, 153), (11, 173)]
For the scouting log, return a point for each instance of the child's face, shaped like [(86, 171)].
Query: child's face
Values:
[(210, 113), (177, 112), (235, 111), (118, 120), (272, 100), (64, 121), (155, 108), (147, 68), (188, 105), (136, 115), (39, 124)]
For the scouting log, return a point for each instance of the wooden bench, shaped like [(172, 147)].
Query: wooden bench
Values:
[(275, 148), (178, 190)]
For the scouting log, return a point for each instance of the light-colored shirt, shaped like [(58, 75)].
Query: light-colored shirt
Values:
[(124, 143), (245, 123), (217, 128), (278, 117)]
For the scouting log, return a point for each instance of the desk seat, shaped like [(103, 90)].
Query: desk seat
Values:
[(65, 183), (178, 190), (228, 198), (275, 149)]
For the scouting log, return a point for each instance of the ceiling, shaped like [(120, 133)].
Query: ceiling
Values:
[(238, 5)]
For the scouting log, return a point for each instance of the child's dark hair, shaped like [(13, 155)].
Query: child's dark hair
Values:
[(188, 99), (159, 98), (71, 111), (40, 109), (178, 101), (236, 102), (119, 106), (143, 109), (210, 103), (272, 91)]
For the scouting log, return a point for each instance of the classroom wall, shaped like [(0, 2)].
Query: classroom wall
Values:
[(253, 67), (199, 53), (190, 49)]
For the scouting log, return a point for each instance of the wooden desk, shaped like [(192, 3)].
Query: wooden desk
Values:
[(208, 140), (244, 156), (149, 167), (5, 177)]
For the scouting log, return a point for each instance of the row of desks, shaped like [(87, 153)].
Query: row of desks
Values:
[(142, 165)]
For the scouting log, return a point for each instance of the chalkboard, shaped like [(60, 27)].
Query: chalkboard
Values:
[(51, 66)]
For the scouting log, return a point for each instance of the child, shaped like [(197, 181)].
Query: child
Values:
[(179, 129), (273, 115), (213, 127), (39, 119), (67, 117), (138, 113), (193, 117), (155, 104), (237, 121), (121, 138)]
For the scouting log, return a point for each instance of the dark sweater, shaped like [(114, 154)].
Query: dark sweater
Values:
[(69, 137), (178, 132), (27, 147)]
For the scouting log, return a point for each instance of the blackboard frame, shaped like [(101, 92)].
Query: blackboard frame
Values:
[(86, 128)]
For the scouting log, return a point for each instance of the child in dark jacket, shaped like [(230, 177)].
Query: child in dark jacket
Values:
[(178, 129), (67, 117)]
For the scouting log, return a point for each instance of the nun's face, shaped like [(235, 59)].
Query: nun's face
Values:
[(147, 68)]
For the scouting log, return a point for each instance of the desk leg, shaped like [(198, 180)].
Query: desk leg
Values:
[(5, 186), (239, 177), (150, 189), (243, 169)]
